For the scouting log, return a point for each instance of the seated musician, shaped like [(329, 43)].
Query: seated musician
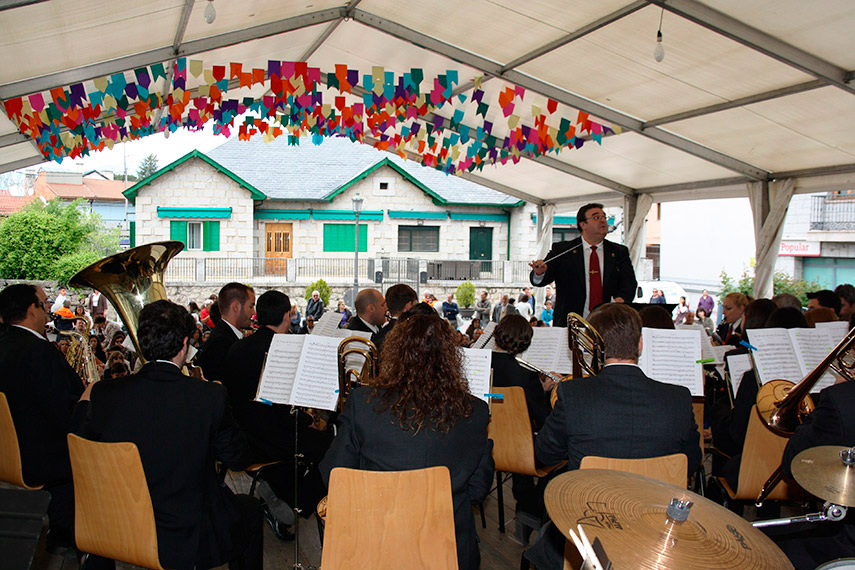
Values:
[(618, 413), (831, 423), (513, 336), (418, 413), (270, 429), (180, 425), (730, 329)]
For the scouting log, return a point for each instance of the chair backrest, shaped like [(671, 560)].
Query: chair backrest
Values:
[(10, 452), (113, 514), (668, 468), (510, 430), (390, 519), (698, 409), (762, 453)]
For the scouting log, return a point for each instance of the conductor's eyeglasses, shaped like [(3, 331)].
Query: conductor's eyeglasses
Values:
[(596, 217)]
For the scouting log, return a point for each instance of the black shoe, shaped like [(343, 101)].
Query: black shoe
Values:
[(279, 529), (60, 543)]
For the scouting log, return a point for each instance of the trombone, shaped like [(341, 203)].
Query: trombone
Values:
[(350, 373)]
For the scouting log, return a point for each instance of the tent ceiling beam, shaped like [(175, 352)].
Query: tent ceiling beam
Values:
[(23, 163), (759, 41), (159, 55), (566, 97), (13, 138), (332, 27), (10, 4), (741, 102), (609, 198)]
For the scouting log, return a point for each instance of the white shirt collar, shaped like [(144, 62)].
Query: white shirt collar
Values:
[(369, 325), (587, 246), (30, 330), (237, 331), (623, 364), (169, 362)]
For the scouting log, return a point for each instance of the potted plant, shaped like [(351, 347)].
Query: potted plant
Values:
[(465, 294)]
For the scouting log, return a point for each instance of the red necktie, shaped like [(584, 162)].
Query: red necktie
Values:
[(595, 294)]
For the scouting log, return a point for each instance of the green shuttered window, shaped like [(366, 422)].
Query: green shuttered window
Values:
[(339, 237), (196, 236)]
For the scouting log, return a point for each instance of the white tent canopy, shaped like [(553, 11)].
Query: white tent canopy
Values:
[(748, 92)]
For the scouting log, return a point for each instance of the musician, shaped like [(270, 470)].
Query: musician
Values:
[(180, 425), (418, 413), (236, 303), (399, 298), (730, 329), (588, 270), (618, 413), (513, 336), (41, 389), (370, 311), (831, 423), (270, 429)]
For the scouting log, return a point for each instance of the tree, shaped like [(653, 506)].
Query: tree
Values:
[(121, 176), (147, 167), (33, 240), (781, 283), (465, 294)]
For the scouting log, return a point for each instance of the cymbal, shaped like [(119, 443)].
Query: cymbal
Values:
[(822, 473), (627, 513)]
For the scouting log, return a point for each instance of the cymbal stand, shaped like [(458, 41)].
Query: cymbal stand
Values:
[(830, 512)]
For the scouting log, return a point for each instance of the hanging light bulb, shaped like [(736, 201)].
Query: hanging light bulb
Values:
[(210, 12), (659, 51)]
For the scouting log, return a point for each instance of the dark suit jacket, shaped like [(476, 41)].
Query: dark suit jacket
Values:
[(619, 413), (379, 337), (212, 357), (356, 324), (568, 272), (180, 425), (372, 440), (42, 390), (270, 428), (508, 372), (315, 309)]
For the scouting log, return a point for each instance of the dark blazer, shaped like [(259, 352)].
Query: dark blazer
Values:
[(356, 324), (372, 440), (379, 337), (180, 425), (831, 423), (270, 429), (315, 309), (619, 413), (212, 357), (508, 372), (42, 390), (568, 272)]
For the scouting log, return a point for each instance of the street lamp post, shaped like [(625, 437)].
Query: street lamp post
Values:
[(357, 207)]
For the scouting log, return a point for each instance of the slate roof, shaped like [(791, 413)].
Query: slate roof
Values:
[(310, 172)]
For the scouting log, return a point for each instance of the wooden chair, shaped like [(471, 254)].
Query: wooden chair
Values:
[(668, 468), (390, 519), (513, 442), (10, 452), (113, 514), (698, 409), (761, 455)]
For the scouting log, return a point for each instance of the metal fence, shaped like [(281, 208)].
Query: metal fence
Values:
[(832, 213), (339, 270)]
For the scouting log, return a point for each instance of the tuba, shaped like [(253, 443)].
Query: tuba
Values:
[(584, 339), (130, 280), (783, 406), (349, 373), (80, 356)]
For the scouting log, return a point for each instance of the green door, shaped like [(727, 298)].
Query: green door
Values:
[(481, 246)]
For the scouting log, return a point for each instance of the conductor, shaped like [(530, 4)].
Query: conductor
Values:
[(588, 270)]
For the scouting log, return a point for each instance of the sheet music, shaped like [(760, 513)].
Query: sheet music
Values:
[(280, 368), (316, 381), (811, 346), (720, 351), (775, 357), (476, 367), (838, 329), (486, 337), (327, 324), (548, 344), (706, 345), (737, 365), (671, 356)]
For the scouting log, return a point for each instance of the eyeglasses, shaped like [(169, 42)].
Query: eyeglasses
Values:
[(596, 218)]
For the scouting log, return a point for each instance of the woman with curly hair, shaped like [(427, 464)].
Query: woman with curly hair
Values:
[(418, 413)]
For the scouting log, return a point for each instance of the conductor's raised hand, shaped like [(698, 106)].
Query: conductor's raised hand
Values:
[(539, 267)]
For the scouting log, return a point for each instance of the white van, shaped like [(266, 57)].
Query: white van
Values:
[(672, 291)]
